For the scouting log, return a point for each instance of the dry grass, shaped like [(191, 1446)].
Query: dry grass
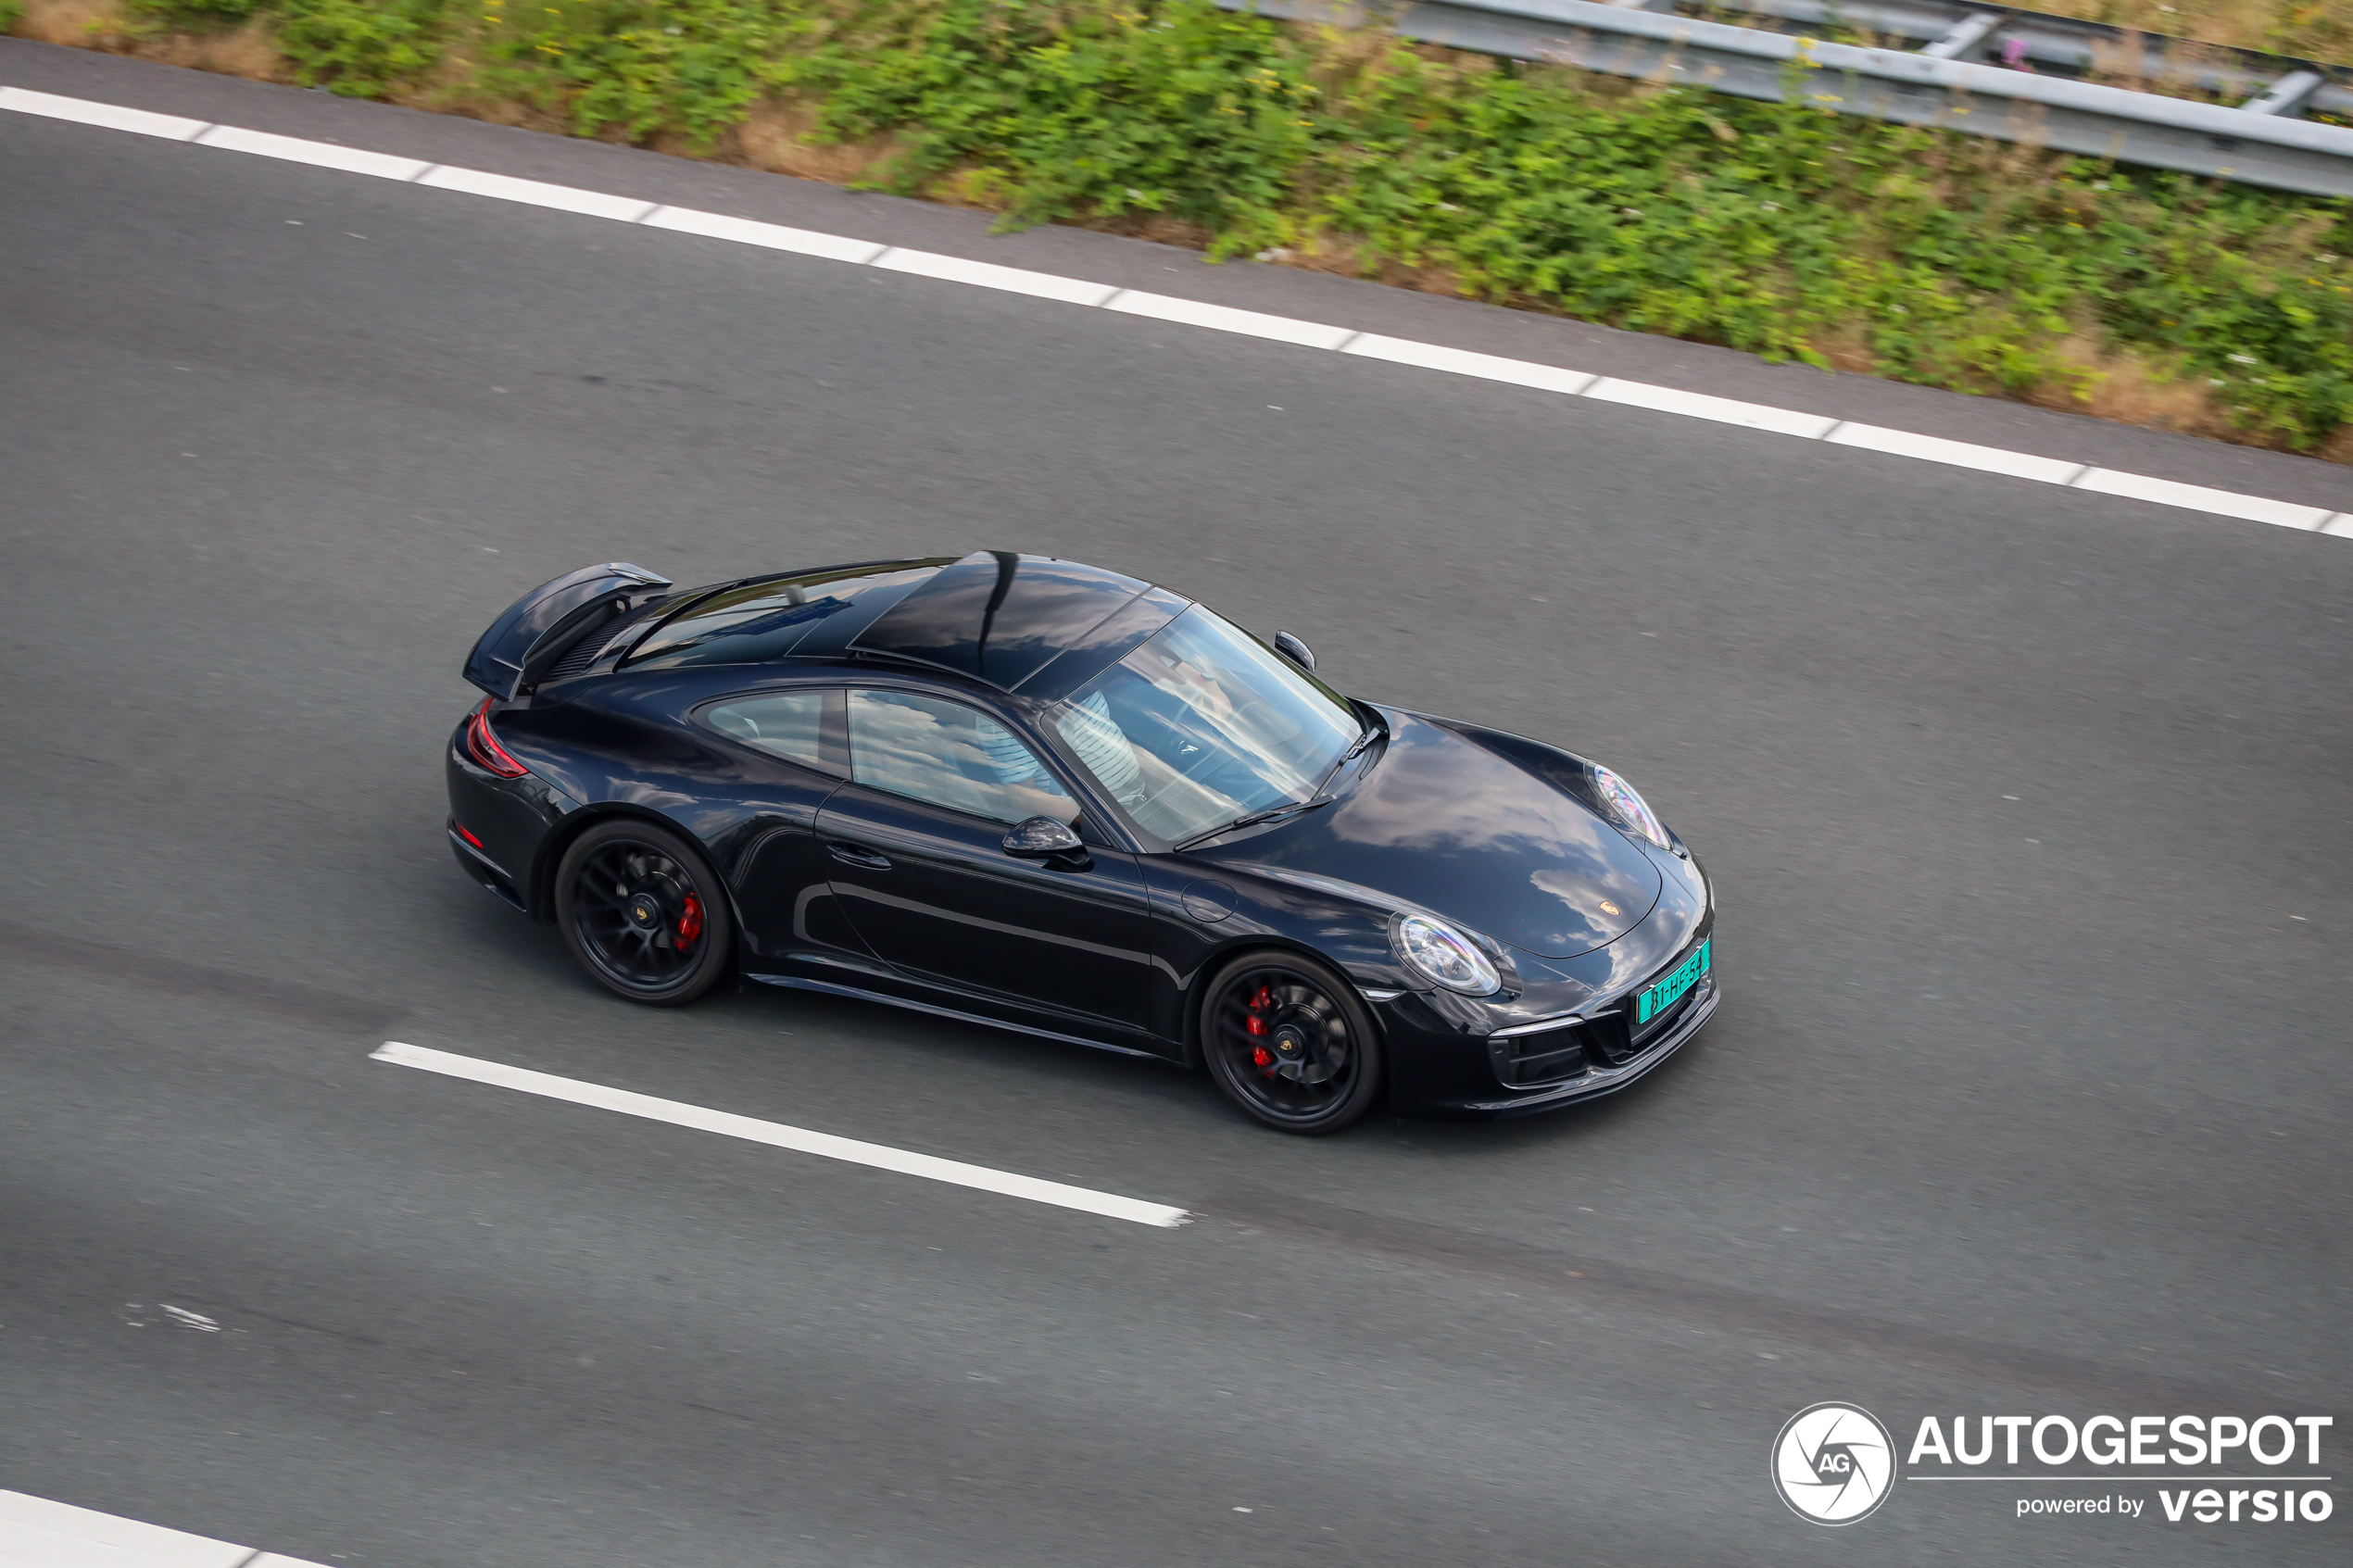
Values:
[(448, 88), (2316, 28), (246, 51), (81, 24), (773, 137), (2132, 388), (1157, 228)]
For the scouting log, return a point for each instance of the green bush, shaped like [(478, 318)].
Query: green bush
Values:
[(644, 67), (1201, 114), (1778, 228), (358, 47)]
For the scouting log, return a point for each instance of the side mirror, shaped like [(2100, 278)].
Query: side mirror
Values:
[(1042, 838), (1298, 653)]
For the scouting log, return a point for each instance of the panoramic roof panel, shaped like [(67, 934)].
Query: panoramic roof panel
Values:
[(998, 617), (1113, 639)]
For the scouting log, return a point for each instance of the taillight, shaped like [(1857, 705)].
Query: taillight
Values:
[(483, 748)]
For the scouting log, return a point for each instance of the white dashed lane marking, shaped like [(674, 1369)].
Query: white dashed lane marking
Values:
[(777, 1134), (1194, 313), (36, 1533)]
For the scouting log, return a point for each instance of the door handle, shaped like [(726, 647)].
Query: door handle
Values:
[(853, 855)]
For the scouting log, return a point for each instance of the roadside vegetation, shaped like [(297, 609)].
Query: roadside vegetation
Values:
[(2313, 29), (1929, 258)]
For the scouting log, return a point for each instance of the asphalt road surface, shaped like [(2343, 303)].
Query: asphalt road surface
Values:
[(2029, 810)]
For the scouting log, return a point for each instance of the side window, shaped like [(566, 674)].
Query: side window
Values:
[(950, 755), (790, 724)]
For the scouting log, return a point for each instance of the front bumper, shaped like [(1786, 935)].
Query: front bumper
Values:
[(1569, 1035), (1597, 1081), (1439, 1067)]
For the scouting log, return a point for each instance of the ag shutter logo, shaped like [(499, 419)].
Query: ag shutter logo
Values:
[(1833, 1464)]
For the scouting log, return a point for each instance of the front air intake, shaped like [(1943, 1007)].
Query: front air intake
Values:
[(1549, 1056)]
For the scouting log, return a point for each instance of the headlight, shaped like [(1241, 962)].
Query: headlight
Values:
[(1628, 809), (1443, 956)]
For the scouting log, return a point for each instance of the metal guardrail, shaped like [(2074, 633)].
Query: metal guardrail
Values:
[(1943, 84), (1957, 30)]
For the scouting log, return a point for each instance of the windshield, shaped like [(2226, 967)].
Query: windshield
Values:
[(1203, 726)]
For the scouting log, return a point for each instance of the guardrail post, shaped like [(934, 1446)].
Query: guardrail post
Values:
[(1964, 35), (2288, 95)]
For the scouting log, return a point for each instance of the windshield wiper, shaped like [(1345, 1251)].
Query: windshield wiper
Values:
[(1288, 808), (1376, 728)]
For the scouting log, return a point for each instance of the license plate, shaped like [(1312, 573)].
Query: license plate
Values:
[(1667, 992)]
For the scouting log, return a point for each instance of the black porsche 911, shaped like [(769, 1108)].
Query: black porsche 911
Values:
[(1029, 793)]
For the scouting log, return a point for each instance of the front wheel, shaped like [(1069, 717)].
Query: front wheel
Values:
[(1290, 1042), (642, 912)]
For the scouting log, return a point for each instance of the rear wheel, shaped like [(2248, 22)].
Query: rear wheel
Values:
[(1290, 1042), (643, 913)]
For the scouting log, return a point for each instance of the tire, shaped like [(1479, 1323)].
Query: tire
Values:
[(1290, 1042), (644, 914)]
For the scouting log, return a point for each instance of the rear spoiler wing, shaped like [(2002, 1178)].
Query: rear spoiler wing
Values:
[(538, 627)]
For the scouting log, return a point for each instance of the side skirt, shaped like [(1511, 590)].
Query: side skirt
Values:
[(795, 982)]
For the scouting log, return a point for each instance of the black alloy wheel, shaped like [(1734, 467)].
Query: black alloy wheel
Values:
[(1292, 1043), (643, 913)]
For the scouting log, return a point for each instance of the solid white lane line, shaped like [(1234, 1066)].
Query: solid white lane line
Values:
[(1193, 313), (2199, 498), (1700, 406), (1463, 362), (114, 117), (1960, 453), (989, 275), (1226, 319), (324, 154), (534, 193), (36, 1533), (775, 1134), (773, 236)]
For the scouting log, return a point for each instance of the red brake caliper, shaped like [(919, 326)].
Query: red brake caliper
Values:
[(690, 923), (1259, 1055)]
